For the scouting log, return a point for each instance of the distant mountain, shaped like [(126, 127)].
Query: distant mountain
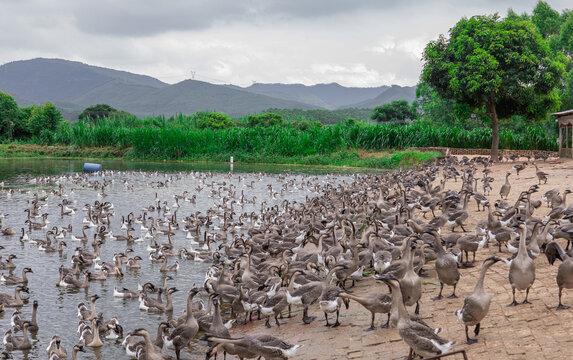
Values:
[(330, 96), (392, 93), (73, 86)]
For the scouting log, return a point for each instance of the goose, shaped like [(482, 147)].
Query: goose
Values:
[(19, 343), (422, 339), (182, 334), (14, 301), (522, 268), (519, 167), (217, 327), (132, 263), (506, 187), (110, 329), (470, 243), (375, 302), (90, 334), (446, 267), (151, 352), (266, 346), (56, 349), (330, 302), (476, 305), (274, 305), (84, 313), (131, 343), (153, 305), (52, 249), (565, 271), (24, 236), (83, 237), (458, 217), (308, 294), (17, 323), (540, 174), (75, 351), (14, 280), (164, 268), (8, 264), (70, 282)]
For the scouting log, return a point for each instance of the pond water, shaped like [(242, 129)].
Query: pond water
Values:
[(132, 187)]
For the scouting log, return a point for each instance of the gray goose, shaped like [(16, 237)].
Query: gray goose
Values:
[(19, 343), (217, 327), (14, 280), (446, 267), (182, 334), (150, 351), (522, 268), (505, 188), (131, 343), (75, 350), (422, 339), (153, 305), (308, 294), (267, 346), (476, 305), (13, 301), (375, 302), (565, 272), (17, 322)]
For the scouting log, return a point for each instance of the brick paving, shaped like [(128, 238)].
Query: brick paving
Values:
[(536, 331)]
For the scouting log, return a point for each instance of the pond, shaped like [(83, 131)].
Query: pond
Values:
[(132, 188)]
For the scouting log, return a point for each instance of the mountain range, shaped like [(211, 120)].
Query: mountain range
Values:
[(72, 86)]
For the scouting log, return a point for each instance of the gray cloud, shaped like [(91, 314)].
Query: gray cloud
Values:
[(355, 43)]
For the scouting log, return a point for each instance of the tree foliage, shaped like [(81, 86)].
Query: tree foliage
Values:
[(398, 110), (547, 20), (214, 120), (265, 119), (502, 65), (101, 111), (9, 115)]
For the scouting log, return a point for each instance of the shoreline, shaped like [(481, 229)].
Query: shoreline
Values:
[(349, 159)]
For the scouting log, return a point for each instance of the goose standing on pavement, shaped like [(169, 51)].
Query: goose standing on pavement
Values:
[(565, 272), (446, 267), (522, 268), (476, 305)]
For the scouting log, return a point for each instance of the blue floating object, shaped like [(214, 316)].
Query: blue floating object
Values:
[(91, 167)]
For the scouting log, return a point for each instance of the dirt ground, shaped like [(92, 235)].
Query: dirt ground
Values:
[(536, 331)]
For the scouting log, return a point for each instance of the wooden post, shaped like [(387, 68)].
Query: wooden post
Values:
[(560, 139)]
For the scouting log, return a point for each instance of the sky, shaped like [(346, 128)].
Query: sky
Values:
[(362, 43)]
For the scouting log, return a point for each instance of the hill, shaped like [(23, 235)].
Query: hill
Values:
[(73, 86)]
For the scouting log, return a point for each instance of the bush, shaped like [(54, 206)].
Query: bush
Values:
[(266, 120), (215, 120)]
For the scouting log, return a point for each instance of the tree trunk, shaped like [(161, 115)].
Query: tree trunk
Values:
[(490, 107)]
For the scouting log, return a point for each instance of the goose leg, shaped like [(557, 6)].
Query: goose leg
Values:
[(277, 320), (453, 296), (526, 295), (417, 311), (267, 323), (476, 329), (561, 306), (371, 323), (439, 297), (337, 323), (326, 318), (514, 303), (305, 318), (468, 340), (463, 228), (288, 311), (385, 326)]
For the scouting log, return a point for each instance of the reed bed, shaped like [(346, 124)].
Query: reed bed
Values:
[(179, 138)]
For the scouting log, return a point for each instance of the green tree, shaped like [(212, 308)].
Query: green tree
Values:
[(398, 110), (9, 114), (503, 66), (98, 111), (215, 120), (266, 120), (42, 118), (566, 36), (547, 20)]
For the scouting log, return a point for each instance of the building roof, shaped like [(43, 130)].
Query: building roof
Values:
[(563, 113)]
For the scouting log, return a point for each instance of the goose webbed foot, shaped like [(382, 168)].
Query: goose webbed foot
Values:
[(336, 324), (267, 324), (308, 319), (514, 303), (370, 328), (453, 296), (471, 341), (526, 302), (439, 297), (562, 307)]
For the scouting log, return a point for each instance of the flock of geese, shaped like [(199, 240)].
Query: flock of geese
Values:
[(282, 256)]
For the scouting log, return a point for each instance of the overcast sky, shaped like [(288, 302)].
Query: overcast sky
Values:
[(352, 42)]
